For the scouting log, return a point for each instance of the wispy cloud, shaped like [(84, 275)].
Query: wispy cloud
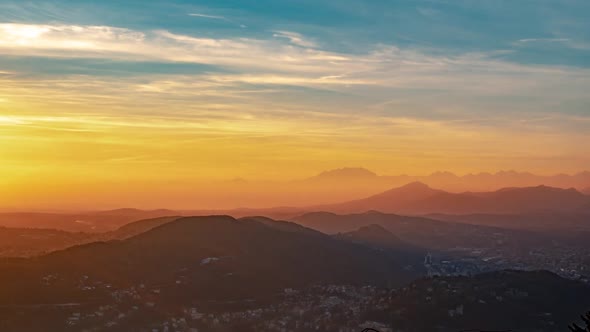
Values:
[(295, 38), (543, 40), (562, 42), (215, 17), (276, 61), (405, 82)]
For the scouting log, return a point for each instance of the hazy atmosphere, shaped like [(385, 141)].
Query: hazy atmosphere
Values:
[(93, 94)]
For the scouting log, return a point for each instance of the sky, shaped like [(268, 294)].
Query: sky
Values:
[(111, 99)]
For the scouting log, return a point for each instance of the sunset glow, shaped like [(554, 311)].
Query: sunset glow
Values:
[(208, 94)]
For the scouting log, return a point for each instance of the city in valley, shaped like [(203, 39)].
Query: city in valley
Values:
[(335, 269)]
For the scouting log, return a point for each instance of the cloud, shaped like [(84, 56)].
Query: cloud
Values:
[(218, 17), (543, 40), (275, 61), (73, 41), (10, 120), (567, 42), (208, 16), (535, 41), (295, 38), (405, 82)]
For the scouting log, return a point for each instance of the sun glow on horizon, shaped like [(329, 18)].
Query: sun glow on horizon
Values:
[(146, 106)]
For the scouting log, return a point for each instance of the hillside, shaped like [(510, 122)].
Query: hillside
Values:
[(392, 200), (374, 235), (89, 222), (23, 242), (214, 257), (28, 242), (418, 198), (497, 301), (136, 228), (424, 232), (550, 221)]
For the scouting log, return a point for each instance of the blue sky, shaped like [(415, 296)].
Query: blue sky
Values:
[(553, 32)]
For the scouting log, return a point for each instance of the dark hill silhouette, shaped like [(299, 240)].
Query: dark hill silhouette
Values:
[(27, 242), (90, 222), (280, 225), (424, 232), (24, 242), (136, 228), (220, 258), (496, 301), (374, 235)]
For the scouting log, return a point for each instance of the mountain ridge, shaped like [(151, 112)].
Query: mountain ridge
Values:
[(419, 198), (215, 255)]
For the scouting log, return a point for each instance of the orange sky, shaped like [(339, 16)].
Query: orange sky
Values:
[(67, 160), (103, 110)]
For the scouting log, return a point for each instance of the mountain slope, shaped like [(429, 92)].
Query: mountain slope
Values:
[(563, 222), (24, 242), (389, 201), (218, 258), (425, 233), (376, 236), (90, 222), (418, 198), (136, 228), (497, 301), (508, 200)]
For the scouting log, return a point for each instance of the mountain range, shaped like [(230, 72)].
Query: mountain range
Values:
[(526, 207), (421, 232), (206, 258), (419, 198), (90, 222), (451, 182), (219, 264)]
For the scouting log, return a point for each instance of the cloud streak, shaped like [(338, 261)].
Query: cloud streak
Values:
[(295, 38), (288, 60), (208, 16), (385, 82)]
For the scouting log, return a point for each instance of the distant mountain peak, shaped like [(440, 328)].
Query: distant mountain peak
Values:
[(510, 172), (446, 174), (412, 188), (415, 185), (373, 228), (375, 234), (539, 189)]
